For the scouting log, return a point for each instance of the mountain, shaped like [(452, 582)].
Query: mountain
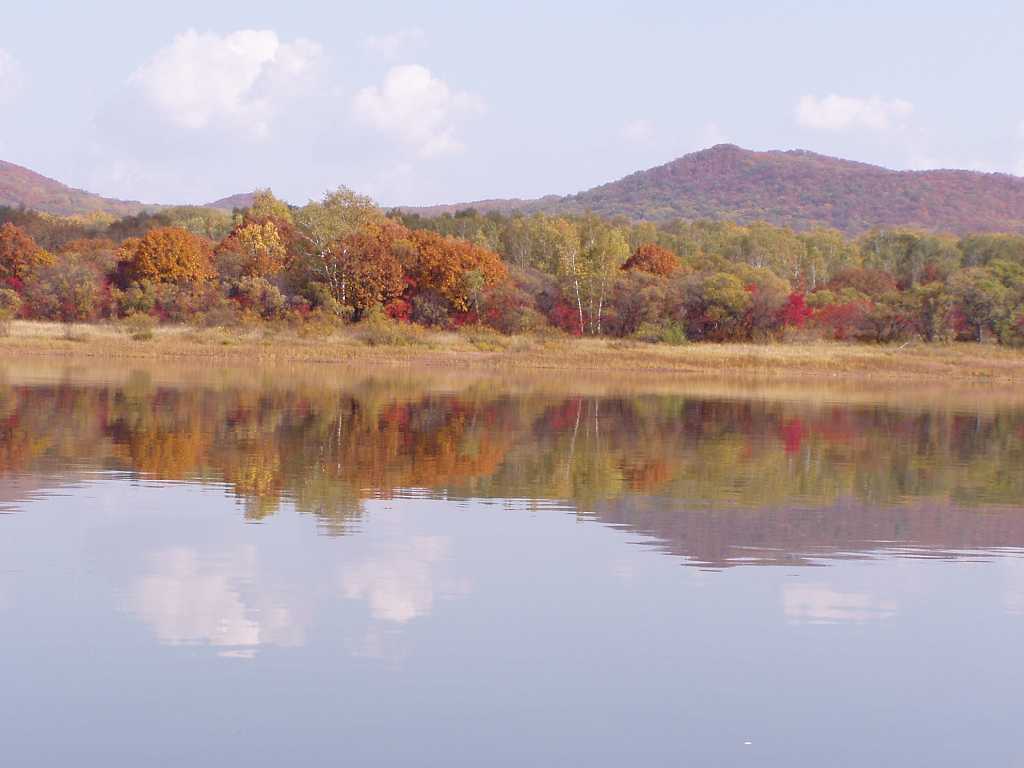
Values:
[(22, 187), (798, 189), (229, 204)]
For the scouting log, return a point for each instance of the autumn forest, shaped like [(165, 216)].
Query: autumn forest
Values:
[(342, 260)]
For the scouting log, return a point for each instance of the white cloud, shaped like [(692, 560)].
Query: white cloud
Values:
[(843, 113), (417, 108), (188, 599), (401, 584), (11, 77), (391, 44), (638, 131), (237, 81), (820, 604)]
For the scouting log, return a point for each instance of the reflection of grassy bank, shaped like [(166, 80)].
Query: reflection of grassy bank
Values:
[(487, 351)]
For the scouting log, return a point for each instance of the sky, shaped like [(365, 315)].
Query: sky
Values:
[(420, 103)]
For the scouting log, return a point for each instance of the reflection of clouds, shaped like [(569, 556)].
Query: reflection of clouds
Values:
[(401, 583), (187, 599), (818, 603)]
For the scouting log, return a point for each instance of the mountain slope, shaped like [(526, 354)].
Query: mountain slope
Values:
[(229, 204), (798, 189), (22, 187)]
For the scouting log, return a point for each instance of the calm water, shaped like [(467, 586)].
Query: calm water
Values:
[(306, 568)]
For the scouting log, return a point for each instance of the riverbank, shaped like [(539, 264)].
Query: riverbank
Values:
[(357, 348)]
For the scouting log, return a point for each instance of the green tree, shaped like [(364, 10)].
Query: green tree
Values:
[(322, 228), (980, 300), (713, 307), (68, 290)]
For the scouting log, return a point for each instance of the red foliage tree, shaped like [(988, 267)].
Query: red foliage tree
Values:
[(842, 320), (796, 312)]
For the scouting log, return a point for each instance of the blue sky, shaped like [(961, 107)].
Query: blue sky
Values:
[(419, 103)]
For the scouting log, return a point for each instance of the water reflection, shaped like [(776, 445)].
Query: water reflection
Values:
[(400, 583), (490, 569), (821, 604), (186, 598), (719, 480)]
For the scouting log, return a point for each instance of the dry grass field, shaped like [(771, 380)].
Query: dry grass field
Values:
[(405, 346)]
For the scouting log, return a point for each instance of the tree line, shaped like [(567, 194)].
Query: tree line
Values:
[(341, 260)]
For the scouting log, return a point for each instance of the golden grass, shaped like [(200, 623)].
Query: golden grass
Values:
[(485, 351)]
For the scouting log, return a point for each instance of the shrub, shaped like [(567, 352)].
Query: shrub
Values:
[(430, 309), (662, 333), (259, 296), (137, 298), (321, 298), (484, 338), (140, 326), (378, 330)]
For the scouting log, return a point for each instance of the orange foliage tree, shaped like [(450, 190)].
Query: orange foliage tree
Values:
[(654, 259), (166, 255), (370, 265), (441, 264), (19, 254)]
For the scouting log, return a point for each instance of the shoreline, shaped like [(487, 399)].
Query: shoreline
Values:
[(486, 352)]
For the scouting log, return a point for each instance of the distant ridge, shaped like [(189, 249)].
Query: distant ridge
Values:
[(24, 188), (797, 188), (20, 187), (229, 204)]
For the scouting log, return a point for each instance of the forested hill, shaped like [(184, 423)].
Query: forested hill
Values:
[(23, 188), (234, 202), (20, 187), (798, 189)]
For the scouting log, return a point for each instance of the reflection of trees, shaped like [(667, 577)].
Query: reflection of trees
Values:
[(326, 450)]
